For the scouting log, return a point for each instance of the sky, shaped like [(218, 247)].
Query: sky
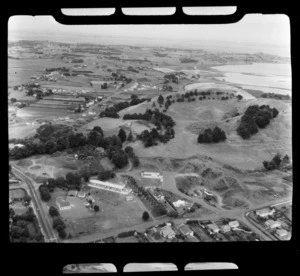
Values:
[(253, 29)]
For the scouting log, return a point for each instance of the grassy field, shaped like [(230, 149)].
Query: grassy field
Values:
[(20, 131), (191, 118), (19, 208), (115, 212), (17, 193)]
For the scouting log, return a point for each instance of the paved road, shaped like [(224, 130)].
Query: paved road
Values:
[(45, 225)]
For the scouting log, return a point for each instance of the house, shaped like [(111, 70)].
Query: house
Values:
[(273, 224), (72, 193), (86, 204), (225, 228), (19, 145), (179, 203), (167, 232), (90, 198), (153, 229), (282, 233), (214, 228), (63, 204), (81, 194), (185, 230), (233, 224), (265, 212)]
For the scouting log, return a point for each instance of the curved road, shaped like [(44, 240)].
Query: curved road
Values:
[(45, 225)]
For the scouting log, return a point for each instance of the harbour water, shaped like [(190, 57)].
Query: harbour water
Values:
[(267, 77)]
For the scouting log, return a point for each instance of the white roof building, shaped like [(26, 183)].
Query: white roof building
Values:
[(179, 203), (185, 230), (129, 198), (63, 204), (154, 175), (233, 224), (19, 145), (265, 212), (81, 194), (214, 228), (282, 233), (273, 224), (167, 232), (225, 228), (119, 188)]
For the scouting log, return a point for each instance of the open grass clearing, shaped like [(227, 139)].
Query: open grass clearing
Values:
[(17, 193), (115, 213)]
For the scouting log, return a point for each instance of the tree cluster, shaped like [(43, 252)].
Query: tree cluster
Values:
[(59, 225), (275, 96), (62, 69), (276, 162), (158, 209), (131, 155), (105, 175), (212, 136), (255, 117), (164, 127), (187, 60), (112, 112), (70, 182), (171, 77), (19, 231)]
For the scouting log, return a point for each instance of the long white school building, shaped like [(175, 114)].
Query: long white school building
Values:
[(118, 188), (154, 175)]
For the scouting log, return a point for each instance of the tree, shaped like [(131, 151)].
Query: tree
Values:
[(130, 137), (98, 129), (135, 161), (11, 212), (62, 234), (277, 159), (76, 140), (96, 208), (160, 99), (45, 194), (105, 175), (58, 221), (275, 112), (53, 212), (86, 176), (239, 97), (120, 159), (173, 214), (146, 216), (128, 150), (73, 180), (286, 159), (27, 199), (122, 135)]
